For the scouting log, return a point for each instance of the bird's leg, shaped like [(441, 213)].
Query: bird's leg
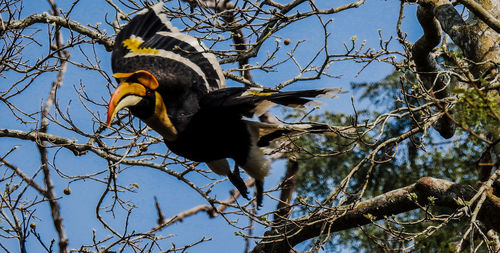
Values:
[(259, 185), (238, 182)]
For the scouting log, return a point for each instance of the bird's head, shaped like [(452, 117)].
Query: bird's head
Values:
[(138, 92)]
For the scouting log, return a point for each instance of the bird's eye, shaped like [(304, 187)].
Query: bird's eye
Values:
[(149, 93)]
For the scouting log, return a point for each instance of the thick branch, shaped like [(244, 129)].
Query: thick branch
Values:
[(477, 43), (55, 208), (451, 21), (398, 201), (287, 188), (429, 70), (35, 136), (482, 14), (46, 18)]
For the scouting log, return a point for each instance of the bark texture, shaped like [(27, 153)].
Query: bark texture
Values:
[(444, 193)]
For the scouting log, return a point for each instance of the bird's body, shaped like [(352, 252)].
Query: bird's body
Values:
[(169, 81)]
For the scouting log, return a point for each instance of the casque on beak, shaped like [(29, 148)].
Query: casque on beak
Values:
[(132, 90)]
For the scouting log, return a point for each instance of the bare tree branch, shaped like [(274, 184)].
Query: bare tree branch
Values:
[(283, 210), (44, 123), (46, 18), (392, 132), (25, 177), (443, 193), (433, 77)]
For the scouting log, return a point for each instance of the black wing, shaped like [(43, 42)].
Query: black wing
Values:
[(150, 42), (255, 101)]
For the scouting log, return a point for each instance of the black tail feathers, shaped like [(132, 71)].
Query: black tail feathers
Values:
[(295, 99), (282, 130)]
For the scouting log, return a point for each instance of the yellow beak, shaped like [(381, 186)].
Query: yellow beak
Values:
[(127, 94), (131, 93)]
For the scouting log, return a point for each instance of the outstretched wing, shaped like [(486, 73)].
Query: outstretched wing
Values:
[(256, 101), (150, 42)]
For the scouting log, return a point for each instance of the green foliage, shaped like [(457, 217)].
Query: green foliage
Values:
[(326, 160), (476, 109)]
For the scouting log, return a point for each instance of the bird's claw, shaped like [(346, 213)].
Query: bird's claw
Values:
[(259, 185), (238, 182)]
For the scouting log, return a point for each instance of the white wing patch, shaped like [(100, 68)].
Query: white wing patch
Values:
[(200, 47), (175, 57), (134, 42), (157, 9)]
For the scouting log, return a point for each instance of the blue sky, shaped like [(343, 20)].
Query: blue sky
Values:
[(174, 197)]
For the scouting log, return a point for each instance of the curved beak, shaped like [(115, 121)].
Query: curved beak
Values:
[(127, 94)]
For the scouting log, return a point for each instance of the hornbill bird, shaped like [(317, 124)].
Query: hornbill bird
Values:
[(170, 81)]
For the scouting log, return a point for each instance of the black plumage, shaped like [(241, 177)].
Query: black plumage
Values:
[(168, 80)]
